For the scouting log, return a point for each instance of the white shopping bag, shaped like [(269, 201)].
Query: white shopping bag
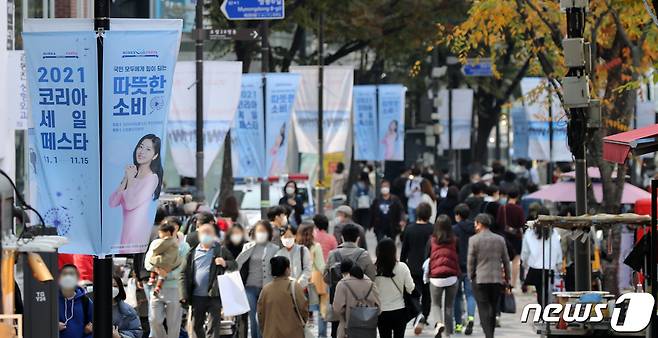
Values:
[(231, 290), (131, 293)]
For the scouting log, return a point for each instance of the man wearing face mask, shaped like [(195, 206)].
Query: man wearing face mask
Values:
[(198, 285), (293, 202), (386, 213), (278, 217), (343, 217), (75, 308)]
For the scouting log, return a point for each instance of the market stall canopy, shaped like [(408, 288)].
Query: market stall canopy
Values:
[(641, 141), (565, 191)]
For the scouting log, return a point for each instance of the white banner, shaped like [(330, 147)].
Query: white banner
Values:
[(536, 102), (221, 93), (645, 113), (462, 113), (337, 105), (18, 104), (7, 151)]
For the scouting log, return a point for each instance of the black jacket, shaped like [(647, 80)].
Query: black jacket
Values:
[(414, 246), (186, 283), (298, 208), (463, 230), (394, 216)]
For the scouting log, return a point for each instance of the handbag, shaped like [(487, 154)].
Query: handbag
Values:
[(507, 301), (308, 333), (232, 294), (412, 306)]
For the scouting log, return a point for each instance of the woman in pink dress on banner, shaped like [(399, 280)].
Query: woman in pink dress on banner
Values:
[(140, 186)]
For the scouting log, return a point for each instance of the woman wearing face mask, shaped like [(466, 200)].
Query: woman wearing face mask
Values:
[(235, 239), (75, 308), (255, 269), (293, 200), (125, 322), (298, 255)]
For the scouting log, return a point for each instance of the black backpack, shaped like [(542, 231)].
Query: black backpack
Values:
[(335, 274)]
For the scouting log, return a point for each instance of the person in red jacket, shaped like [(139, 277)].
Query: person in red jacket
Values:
[(444, 272)]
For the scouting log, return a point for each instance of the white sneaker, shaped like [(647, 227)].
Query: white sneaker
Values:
[(438, 332)]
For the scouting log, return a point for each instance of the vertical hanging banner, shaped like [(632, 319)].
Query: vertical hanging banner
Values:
[(462, 113), (536, 103), (247, 135), (257, 152), (17, 106), (365, 123), (64, 154), (645, 113), (138, 73), (221, 83), (520, 125), (281, 91), (391, 122), (337, 103)]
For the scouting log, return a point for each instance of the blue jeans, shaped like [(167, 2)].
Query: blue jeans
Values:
[(411, 215), (322, 324), (464, 288), (252, 297)]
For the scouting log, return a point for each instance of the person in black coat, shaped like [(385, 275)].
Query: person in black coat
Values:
[(447, 205), (386, 213), (294, 202)]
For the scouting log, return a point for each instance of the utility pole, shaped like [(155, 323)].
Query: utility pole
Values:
[(320, 185), (102, 265), (549, 166), (576, 99), (265, 65), (199, 102)]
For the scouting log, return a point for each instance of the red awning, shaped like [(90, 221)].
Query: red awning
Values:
[(640, 141)]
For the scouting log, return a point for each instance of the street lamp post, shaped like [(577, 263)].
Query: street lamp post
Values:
[(199, 181), (319, 186), (265, 64)]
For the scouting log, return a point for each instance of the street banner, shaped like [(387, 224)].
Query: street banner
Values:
[(247, 134), (64, 153), (281, 91), (337, 104), (17, 105), (391, 122), (520, 128), (536, 102), (221, 87), (365, 123), (138, 73), (462, 114), (7, 148), (645, 113), (260, 143)]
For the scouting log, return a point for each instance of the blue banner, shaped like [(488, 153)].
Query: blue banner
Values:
[(520, 125), (365, 123), (138, 74), (391, 122), (64, 149), (247, 139), (252, 146), (281, 90)]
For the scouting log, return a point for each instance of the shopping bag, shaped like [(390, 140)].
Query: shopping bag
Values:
[(131, 293), (232, 293)]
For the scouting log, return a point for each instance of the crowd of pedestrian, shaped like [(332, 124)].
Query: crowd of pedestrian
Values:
[(443, 250)]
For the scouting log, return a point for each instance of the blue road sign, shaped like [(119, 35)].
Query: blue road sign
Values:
[(477, 67), (253, 9)]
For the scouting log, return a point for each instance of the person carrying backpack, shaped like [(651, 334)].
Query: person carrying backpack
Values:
[(361, 197), (356, 303), (333, 273)]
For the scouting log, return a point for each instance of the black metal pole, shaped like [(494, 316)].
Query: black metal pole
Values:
[(451, 152), (549, 165), (320, 186), (652, 256), (265, 65), (102, 324), (199, 181)]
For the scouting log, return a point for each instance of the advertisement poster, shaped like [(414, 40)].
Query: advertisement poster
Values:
[(462, 114), (391, 122), (17, 107), (221, 87), (260, 143), (365, 123), (520, 132), (138, 73), (247, 139), (281, 91), (337, 106), (537, 102), (64, 154)]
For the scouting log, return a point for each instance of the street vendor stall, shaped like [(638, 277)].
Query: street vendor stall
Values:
[(582, 227)]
